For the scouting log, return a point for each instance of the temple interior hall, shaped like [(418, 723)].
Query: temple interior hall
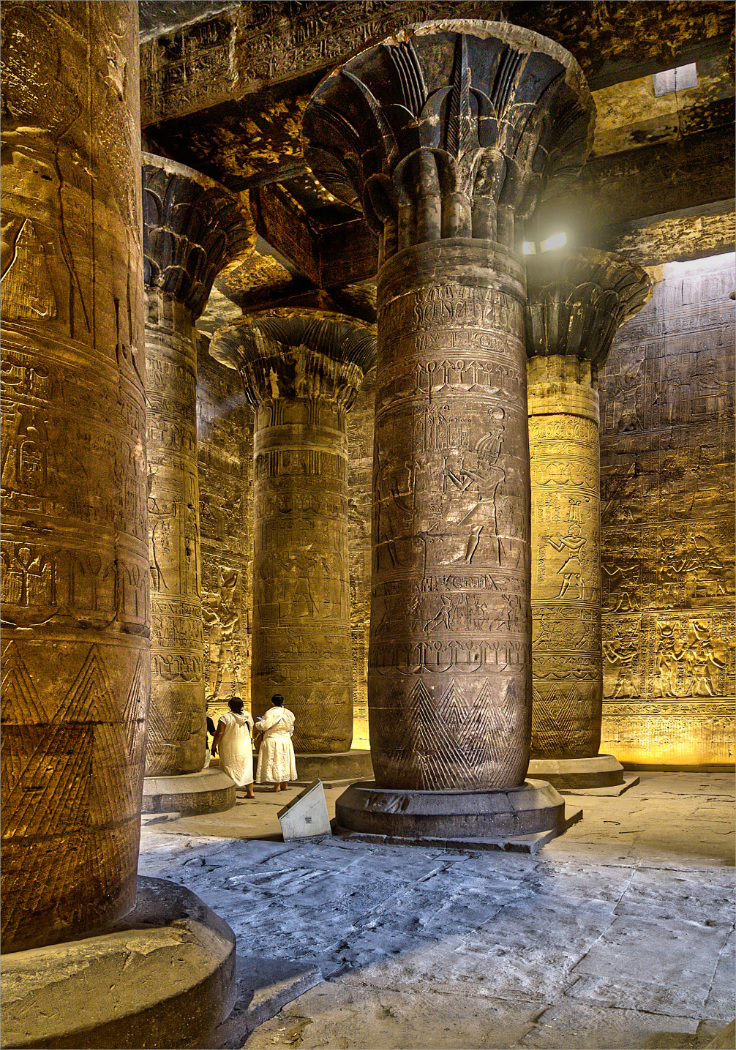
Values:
[(367, 640)]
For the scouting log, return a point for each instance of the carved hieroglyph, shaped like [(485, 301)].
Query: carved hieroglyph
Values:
[(667, 509), (192, 228), (445, 136), (576, 302), (301, 372), (75, 647)]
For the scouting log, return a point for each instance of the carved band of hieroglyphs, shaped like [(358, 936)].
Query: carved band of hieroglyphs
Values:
[(300, 372), (576, 303), (75, 660)]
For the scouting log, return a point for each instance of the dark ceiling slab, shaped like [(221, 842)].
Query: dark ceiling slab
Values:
[(161, 16)]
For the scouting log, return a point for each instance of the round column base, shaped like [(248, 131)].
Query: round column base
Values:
[(342, 765), (576, 773), (171, 963), (529, 809), (209, 791)]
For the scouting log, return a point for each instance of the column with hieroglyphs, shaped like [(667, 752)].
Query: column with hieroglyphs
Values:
[(301, 370), (193, 227), (577, 301), (445, 136), (75, 653)]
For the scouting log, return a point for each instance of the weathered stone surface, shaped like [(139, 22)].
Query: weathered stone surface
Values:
[(576, 303), (74, 530), (192, 229), (301, 372), (206, 791), (440, 168), (163, 977), (430, 947), (667, 518)]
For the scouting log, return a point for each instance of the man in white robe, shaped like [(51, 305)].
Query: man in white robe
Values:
[(276, 761)]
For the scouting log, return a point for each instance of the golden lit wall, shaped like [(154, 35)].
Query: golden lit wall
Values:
[(667, 459)]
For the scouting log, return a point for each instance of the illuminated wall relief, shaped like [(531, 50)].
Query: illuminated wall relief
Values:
[(667, 453)]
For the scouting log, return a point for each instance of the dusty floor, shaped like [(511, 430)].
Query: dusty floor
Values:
[(618, 934)]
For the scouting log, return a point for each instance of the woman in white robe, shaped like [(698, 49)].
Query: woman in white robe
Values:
[(233, 737), (276, 761)]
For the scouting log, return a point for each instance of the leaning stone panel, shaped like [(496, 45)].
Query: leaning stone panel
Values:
[(75, 661)]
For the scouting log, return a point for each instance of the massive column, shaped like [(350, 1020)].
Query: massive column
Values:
[(576, 302), (301, 371), (75, 652), (192, 228), (445, 136)]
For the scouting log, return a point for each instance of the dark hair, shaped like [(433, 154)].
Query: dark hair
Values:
[(277, 700), (235, 704)]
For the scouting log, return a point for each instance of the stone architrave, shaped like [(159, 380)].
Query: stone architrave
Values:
[(576, 303), (192, 228), (445, 135), (301, 371), (75, 647)]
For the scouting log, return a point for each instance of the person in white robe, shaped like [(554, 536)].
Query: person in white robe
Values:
[(234, 739), (276, 761)]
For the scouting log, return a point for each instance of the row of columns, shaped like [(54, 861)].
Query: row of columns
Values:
[(445, 137)]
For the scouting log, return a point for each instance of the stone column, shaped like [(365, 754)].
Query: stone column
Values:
[(576, 303), (301, 371), (75, 645), (445, 135), (192, 228)]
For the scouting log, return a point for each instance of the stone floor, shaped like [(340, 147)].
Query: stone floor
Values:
[(618, 934)]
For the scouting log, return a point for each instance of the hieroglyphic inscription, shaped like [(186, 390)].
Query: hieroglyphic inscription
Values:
[(576, 302), (450, 613), (667, 516), (75, 659), (225, 428), (192, 228), (566, 597), (451, 456), (301, 372)]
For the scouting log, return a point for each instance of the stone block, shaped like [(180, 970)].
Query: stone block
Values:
[(306, 816)]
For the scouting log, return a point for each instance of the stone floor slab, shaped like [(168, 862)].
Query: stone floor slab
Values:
[(605, 1028)]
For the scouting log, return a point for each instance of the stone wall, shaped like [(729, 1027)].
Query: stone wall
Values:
[(225, 434), (360, 468), (667, 456)]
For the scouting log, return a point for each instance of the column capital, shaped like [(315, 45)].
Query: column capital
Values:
[(578, 300), (285, 354), (435, 129), (192, 228)]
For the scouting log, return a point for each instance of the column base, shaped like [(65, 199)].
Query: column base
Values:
[(574, 774), (520, 819), (162, 977), (342, 765), (209, 791)]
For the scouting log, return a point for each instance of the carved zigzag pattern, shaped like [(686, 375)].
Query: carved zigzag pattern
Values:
[(553, 717), (21, 704)]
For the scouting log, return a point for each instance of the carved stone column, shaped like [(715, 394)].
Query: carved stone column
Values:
[(576, 303), (301, 371), (445, 136), (75, 653), (192, 228)]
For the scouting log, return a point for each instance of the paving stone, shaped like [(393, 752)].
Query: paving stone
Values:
[(339, 1016), (572, 1025)]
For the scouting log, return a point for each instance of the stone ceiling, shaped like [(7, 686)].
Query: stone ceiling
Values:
[(224, 86)]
